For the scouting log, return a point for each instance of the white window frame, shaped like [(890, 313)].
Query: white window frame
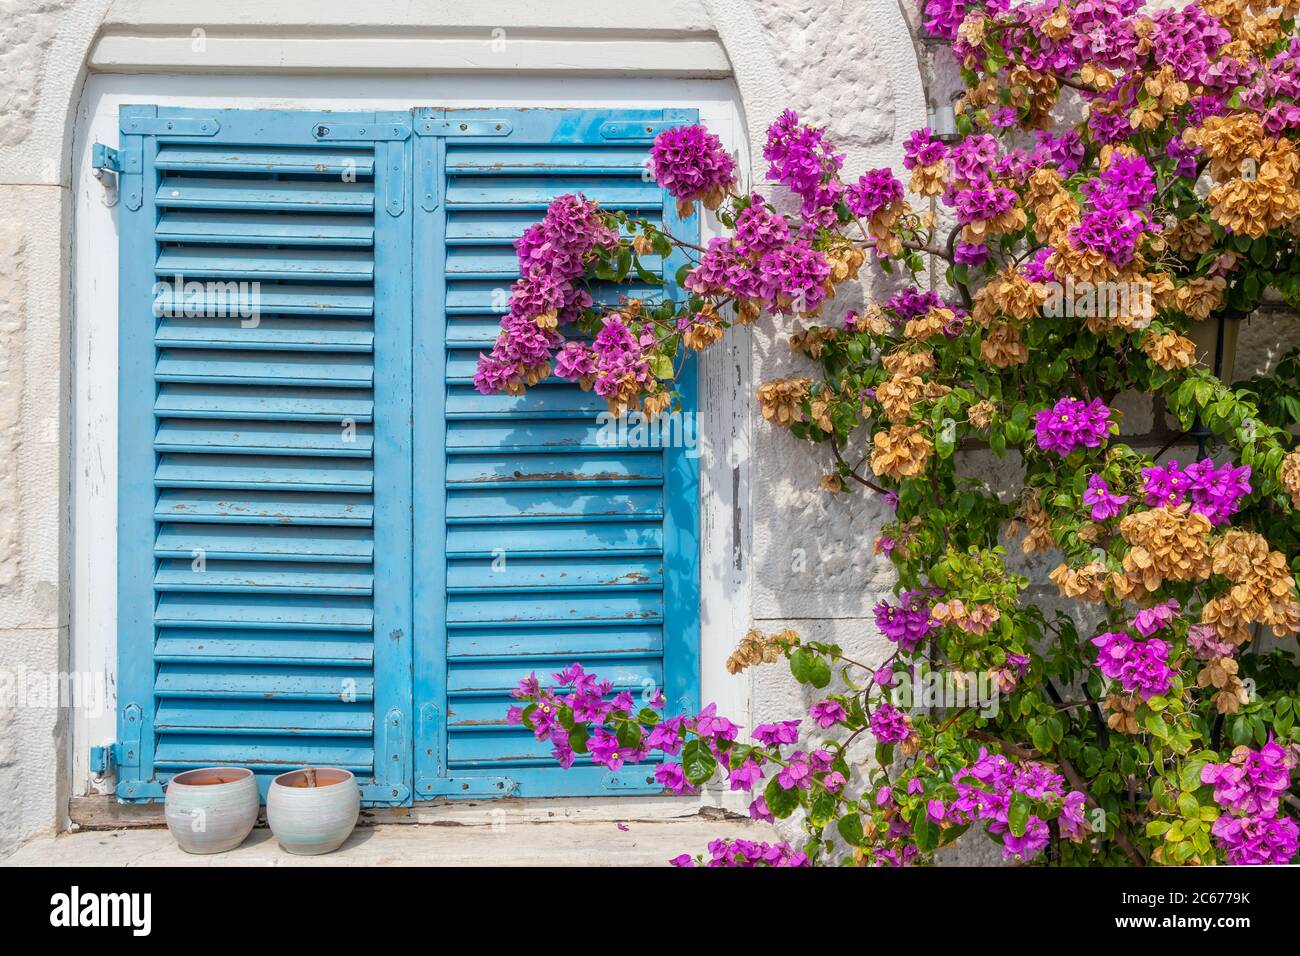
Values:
[(725, 396)]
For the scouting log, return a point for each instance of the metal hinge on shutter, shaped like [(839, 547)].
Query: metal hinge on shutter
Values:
[(645, 129), (135, 122), (123, 758), (361, 132), (104, 158), (466, 786), (427, 160), (388, 136), (462, 127), (390, 764)]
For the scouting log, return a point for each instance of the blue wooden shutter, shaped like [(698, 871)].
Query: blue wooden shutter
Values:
[(264, 467), (596, 548)]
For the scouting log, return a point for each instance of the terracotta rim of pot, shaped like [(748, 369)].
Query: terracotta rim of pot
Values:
[(326, 777), (211, 777)]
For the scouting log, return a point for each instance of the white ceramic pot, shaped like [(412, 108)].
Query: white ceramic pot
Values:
[(309, 820), (211, 810)]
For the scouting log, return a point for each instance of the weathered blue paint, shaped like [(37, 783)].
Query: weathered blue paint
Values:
[(265, 470), (681, 506), (345, 486), (547, 544)]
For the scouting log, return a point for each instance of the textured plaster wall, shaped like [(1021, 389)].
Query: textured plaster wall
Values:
[(853, 68), (42, 47)]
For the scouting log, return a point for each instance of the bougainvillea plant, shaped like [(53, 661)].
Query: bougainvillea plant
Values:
[(1117, 177)]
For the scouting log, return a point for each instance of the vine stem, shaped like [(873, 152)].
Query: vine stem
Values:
[(835, 448)]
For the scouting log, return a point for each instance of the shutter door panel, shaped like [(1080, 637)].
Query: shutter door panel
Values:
[(553, 539), (277, 607), (261, 487)]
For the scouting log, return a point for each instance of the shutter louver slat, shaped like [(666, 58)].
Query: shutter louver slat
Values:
[(580, 521), (265, 510)]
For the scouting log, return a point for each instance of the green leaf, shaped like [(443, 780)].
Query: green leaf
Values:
[(780, 801), (801, 665), (629, 735), (578, 739), (1018, 814), (823, 810), (926, 834), (646, 276), (698, 762), (1042, 738), (850, 828), (809, 667)]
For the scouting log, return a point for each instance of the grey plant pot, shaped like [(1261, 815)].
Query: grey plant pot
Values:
[(312, 820), (211, 810)]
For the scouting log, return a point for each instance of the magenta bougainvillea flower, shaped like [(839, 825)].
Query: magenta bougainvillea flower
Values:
[(1151, 619), (1215, 491), (802, 159), (970, 253), (985, 790), (874, 191), (1206, 644), (1186, 39), (1139, 666), (1036, 269), (690, 163), (759, 228), (793, 276), (909, 622), (1072, 424), (552, 255), (922, 149), (1164, 484), (673, 777), (1105, 504), (783, 732), (1257, 841), (911, 303), (797, 773), (746, 775), (1252, 781), (889, 724), (827, 713), (708, 724), (747, 853), (667, 736), (724, 269)]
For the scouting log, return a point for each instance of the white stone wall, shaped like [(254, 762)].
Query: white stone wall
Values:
[(39, 71)]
